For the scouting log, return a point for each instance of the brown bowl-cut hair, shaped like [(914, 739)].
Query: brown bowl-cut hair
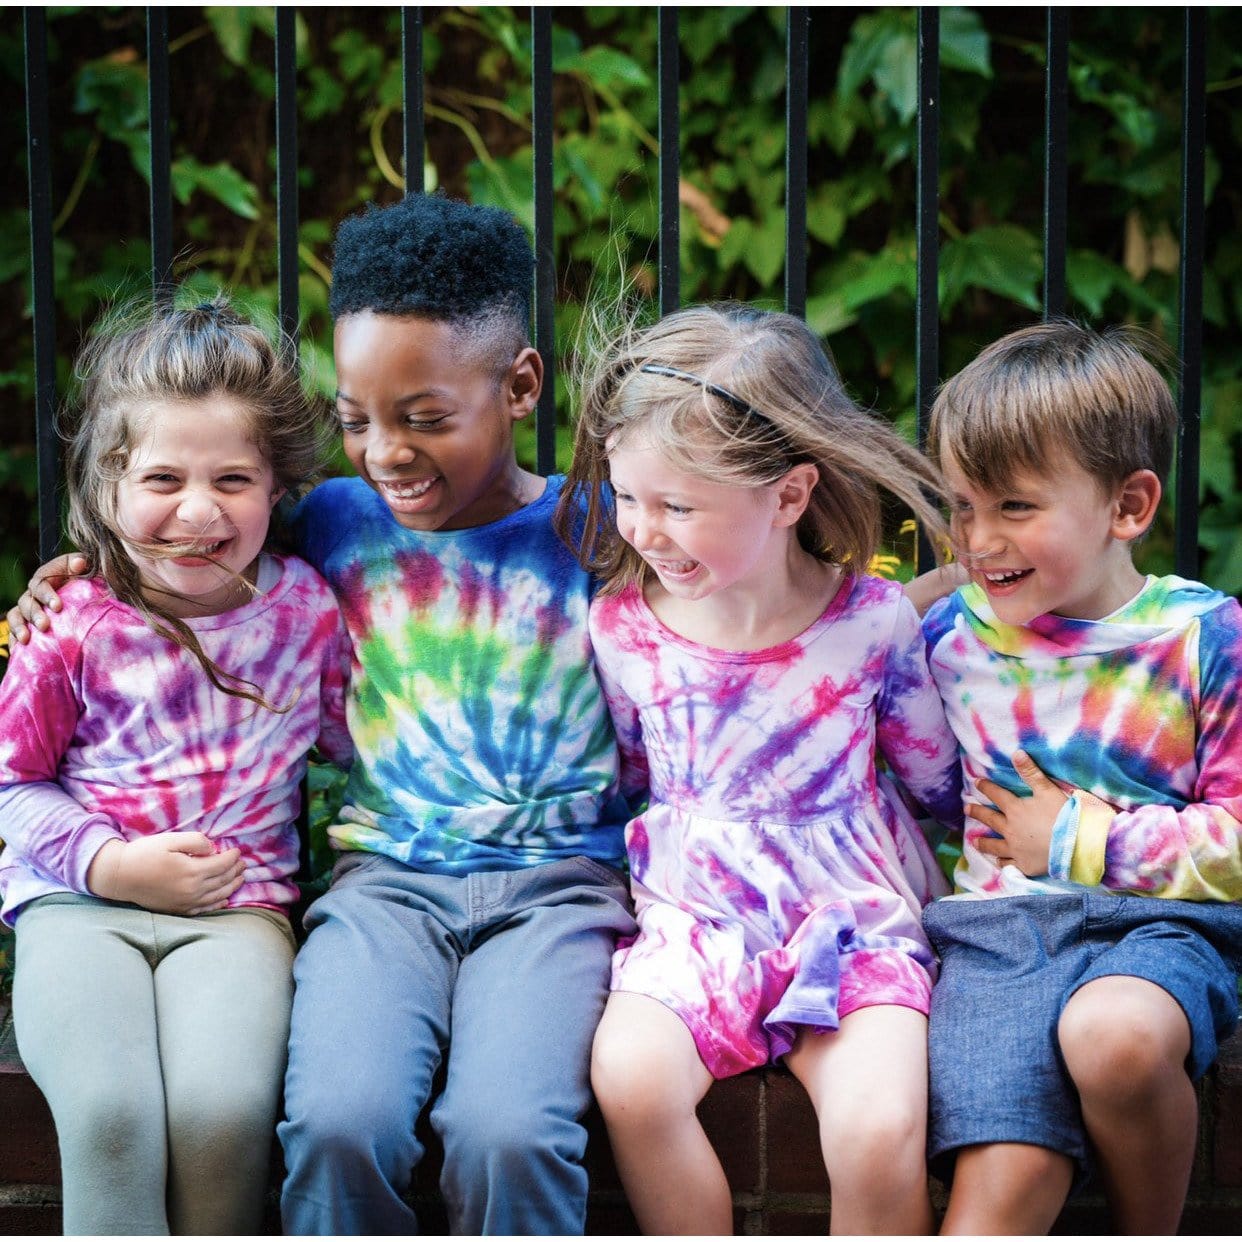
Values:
[(1057, 389)]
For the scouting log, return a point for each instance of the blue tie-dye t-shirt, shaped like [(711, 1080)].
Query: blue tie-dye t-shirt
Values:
[(481, 734)]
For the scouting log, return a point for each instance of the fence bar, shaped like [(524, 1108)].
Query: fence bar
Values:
[(1056, 175), (927, 231), (1190, 294), (796, 74), (927, 221), (287, 169), (42, 289), (412, 93), (161, 154), (545, 248), (670, 161)]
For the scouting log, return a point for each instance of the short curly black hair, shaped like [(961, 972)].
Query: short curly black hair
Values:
[(434, 257)]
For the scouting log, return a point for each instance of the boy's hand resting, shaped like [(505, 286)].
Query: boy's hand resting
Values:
[(171, 872), (1023, 826), (40, 594)]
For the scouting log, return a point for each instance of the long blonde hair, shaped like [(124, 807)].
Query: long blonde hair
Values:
[(139, 357), (783, 403)]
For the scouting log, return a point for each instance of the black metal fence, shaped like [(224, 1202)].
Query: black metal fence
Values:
[(1056, 121)]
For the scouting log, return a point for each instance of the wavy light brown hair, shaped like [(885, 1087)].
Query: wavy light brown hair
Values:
[(1056, 388), (773, 363), (140, 359)]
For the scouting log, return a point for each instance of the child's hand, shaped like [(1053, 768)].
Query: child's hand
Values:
[(1023, 826), (935, 584), (40, 594), (171, 872)]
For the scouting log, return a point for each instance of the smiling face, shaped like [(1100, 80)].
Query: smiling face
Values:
[(195, 479), (698, 536), (429, 426), (1055, 542)]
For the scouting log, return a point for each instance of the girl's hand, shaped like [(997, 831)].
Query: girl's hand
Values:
[(171, 872), (1023, 826), (40, 594)]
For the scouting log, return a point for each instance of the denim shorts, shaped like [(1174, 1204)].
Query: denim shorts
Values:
[(1009, 965)]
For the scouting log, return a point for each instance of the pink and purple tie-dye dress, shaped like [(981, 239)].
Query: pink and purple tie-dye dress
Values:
[(778, 880), (110, 731)]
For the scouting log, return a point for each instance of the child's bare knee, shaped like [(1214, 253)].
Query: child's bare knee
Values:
[(1122, 1040)]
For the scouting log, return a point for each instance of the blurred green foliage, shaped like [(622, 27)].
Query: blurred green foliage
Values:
[(1124, 161)]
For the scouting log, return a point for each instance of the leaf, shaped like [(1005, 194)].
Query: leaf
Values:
[(220, 181), (826, 314), (872, 277), (1090, 278), (1215, 462), (1003, 259), (897, 76), (964, 43), (869, 42), (607, 66), (358, 59), (232, 26), (765, 256)]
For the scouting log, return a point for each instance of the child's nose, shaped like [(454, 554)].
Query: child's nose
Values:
[(982, 538), (197, 508), (647, 533), (386, 450)]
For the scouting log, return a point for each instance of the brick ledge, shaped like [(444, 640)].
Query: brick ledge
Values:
[(750, 1119)]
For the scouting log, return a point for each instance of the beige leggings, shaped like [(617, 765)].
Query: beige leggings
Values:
[(159, 1042)]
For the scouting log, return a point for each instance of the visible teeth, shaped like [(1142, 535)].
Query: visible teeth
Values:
[(1005, 576), (679, 567), (408, 491)]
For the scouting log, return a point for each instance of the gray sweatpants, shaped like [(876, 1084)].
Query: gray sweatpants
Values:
[(159, 1042)]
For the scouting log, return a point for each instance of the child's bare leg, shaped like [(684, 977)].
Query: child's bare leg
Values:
[(1125, 1042), (1007, 1188), (868, 1082), (648, 1078)]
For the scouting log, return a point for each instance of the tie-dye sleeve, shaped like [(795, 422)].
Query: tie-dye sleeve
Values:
[(39, 821), (1194, 851), (334, 742), (911, 730), (634, 774)]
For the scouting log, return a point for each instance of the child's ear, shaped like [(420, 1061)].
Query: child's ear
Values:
[(1136, 503), (793, 492), (524, 382), (277, 493)]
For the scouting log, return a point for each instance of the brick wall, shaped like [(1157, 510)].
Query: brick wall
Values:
[(761, 1123)]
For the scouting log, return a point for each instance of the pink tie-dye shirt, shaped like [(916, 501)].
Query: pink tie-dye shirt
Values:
[(1135, 716), (110, 732)]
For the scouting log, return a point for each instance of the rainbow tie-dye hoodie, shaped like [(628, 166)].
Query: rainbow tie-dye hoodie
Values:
[(1135, 716), (482, 739)]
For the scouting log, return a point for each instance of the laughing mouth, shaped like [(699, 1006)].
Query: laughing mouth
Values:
[(677, 569), (1006, 577), (400, 489), (204, 551)]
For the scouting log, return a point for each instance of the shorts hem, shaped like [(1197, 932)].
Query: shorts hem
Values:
[(965, 1131)]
